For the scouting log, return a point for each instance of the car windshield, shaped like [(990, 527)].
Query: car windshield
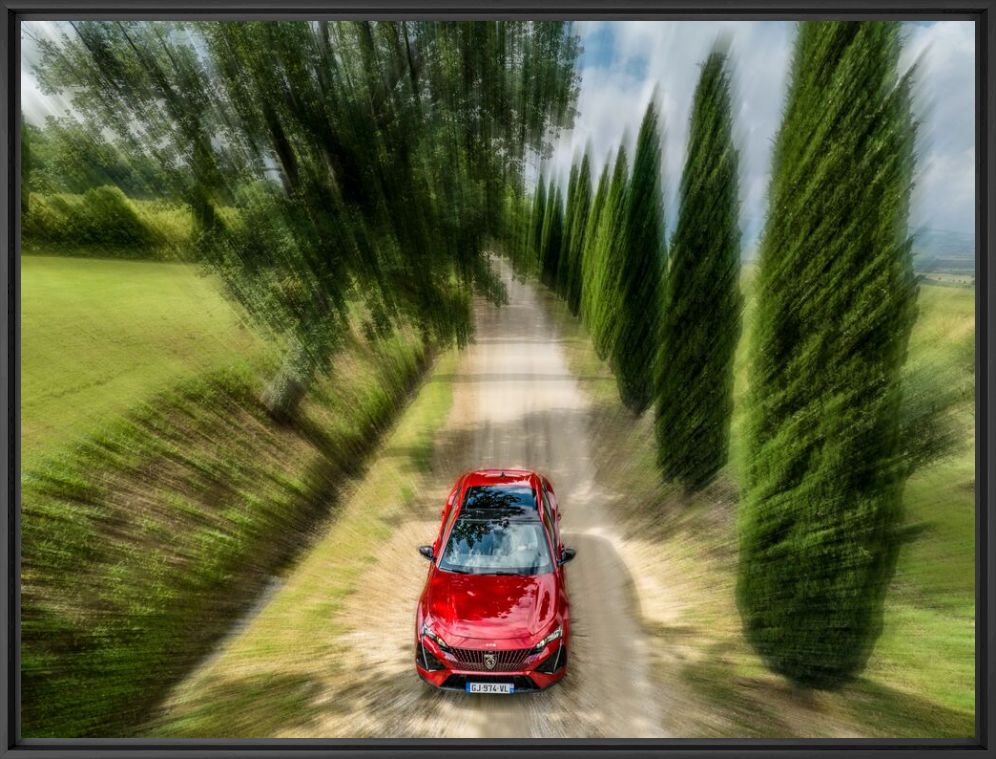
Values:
[(498, 531), (502, 545)]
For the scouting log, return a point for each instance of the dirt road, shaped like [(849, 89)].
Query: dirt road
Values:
[(515, 403), (329, 652)]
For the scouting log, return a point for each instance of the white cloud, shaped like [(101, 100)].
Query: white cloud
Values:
[(625, 60), (945, 192)]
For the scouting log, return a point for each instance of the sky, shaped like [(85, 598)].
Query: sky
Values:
[(624, 62)]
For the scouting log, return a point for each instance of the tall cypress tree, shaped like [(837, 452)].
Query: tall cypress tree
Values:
[(608, 254), (566, 254), (836, 302), (576, 234), (589, 254), (641, 275), (701, 321), (553, 225)]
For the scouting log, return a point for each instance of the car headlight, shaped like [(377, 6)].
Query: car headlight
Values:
[(428, 632), (549, 639)]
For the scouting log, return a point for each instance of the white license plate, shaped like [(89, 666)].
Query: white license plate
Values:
[(505, 688)]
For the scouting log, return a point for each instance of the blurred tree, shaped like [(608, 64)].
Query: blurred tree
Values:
[(564, 261), (516, 240), (27, 166), (553, 229), (589, 253), (576, 235), (641, 271), (536, 219), (608, 254), (71, 158), (836, 301), (370, 161), (701, 318)]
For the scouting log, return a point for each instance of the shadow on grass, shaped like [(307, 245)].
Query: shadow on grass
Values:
[(896, 713), (767, 706), (739, 700)]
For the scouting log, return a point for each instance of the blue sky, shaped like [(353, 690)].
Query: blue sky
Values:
[(624, 61)]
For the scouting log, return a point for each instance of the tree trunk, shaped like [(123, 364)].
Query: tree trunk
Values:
[(283, 395)]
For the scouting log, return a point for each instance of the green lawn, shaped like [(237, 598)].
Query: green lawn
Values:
[(99, 337)]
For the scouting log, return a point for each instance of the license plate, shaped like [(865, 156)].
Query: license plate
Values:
[(504, 688)]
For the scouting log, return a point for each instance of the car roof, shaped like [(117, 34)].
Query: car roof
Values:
[(501, 477)]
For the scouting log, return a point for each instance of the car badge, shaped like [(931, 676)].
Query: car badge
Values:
[(490, 660)]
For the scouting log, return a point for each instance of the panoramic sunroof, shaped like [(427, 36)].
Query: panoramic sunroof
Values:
[(500, 501)]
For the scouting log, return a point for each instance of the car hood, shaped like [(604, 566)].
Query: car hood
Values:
[(492, 606)]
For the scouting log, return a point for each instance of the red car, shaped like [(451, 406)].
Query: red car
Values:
[(494, 615)]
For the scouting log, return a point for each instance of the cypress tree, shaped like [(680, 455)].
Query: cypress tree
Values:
[(701, 321), (608, 253), (589, 255), (641, 272), (576, 235), (566, 253), (553, 220), (836, 303)]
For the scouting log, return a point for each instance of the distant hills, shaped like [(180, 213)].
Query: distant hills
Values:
[(941, 250), (934, 251)]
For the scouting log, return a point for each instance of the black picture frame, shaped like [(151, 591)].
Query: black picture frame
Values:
[(982, 12)]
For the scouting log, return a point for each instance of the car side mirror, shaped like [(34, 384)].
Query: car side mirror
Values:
[(426, 551), (566, 555)]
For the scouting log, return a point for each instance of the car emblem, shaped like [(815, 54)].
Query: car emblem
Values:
[(490, 660)]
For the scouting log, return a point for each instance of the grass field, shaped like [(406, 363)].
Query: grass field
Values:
[(920, 680), (100, 337), (158, 494)]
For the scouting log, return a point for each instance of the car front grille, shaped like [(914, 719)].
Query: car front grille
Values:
[(477, 660)]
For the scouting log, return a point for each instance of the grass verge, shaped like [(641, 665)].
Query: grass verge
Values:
[(283, 668)]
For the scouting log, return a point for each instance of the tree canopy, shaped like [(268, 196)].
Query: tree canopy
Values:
[(370, 161)]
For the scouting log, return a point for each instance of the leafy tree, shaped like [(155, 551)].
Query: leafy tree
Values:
[(372, 158), (701, 319), (836, 303), (641, 271), (71, 158)]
